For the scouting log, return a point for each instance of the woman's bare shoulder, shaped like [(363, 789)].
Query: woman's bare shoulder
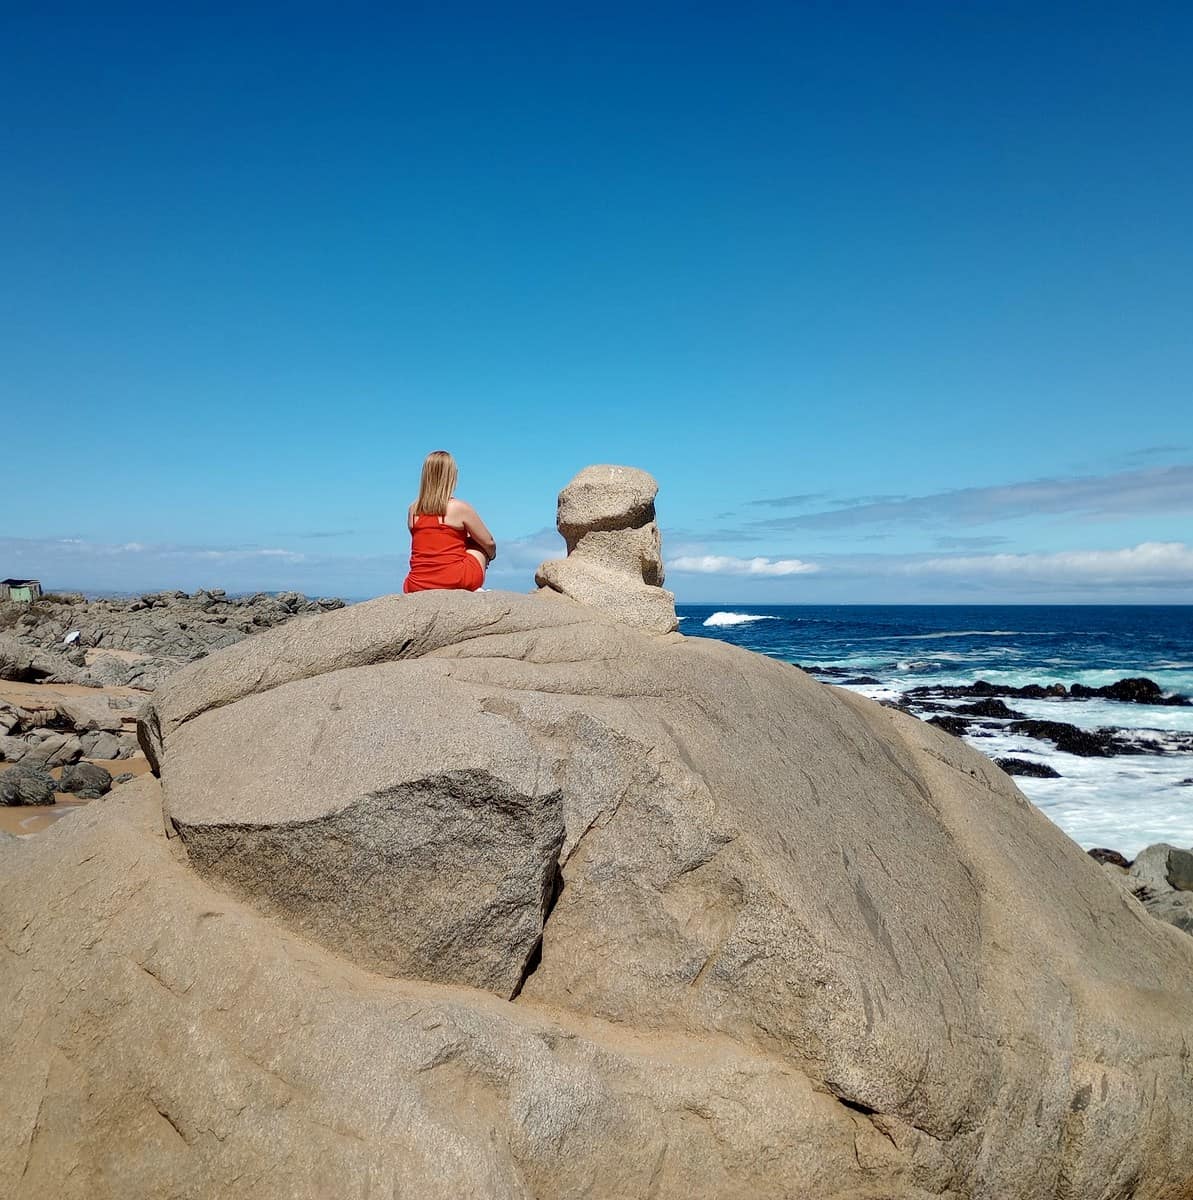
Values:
[(459, 506)]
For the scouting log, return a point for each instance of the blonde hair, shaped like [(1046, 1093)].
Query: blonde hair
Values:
[(437, 483)]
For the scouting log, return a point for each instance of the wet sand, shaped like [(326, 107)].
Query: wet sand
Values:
[(43, 695)]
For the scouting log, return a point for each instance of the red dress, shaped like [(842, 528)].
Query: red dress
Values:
[(439, 557)]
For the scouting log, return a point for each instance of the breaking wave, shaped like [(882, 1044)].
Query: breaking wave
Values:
[(733, 618)]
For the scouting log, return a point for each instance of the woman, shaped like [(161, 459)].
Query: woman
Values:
[(449, 544)]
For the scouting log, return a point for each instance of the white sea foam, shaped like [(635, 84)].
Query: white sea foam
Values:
[(733, 618), (1096, 714), (1125, 803)]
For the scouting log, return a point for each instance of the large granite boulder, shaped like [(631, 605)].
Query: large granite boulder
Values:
[(783, 942), (615, 554)]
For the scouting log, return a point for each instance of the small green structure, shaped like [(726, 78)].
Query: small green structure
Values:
[(21, 591)]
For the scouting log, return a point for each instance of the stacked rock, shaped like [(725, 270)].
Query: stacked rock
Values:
[(606, 516)]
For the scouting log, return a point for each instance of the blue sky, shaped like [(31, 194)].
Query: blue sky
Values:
[(893, 299)]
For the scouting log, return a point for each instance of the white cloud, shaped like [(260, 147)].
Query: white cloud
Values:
[(726, 564), (1149, 563)]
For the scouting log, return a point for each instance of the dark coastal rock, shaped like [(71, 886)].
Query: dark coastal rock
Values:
[(1101, 855), (1126, 691), (1130, 691), (842, 675), (989, 707), (85, 780), (1085, 743), (1023, 766), (23, 784), (982, 687), (1135, 691), (954, 725)]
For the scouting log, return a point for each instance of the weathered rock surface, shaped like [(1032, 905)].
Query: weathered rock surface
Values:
[(1160, 878), (24, 784), (102, 745), (63, 730), (16, 660), (796, 944), (90, 715), (1164, 868), (196, 1050), (615, 554)]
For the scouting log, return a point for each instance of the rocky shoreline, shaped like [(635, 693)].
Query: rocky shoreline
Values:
[(134, 642), (984, 712), (61, 744)]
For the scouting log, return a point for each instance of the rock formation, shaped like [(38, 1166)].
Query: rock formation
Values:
[(133, 642), (1160, 878), (65, 730), (615, 556), (494, 896)]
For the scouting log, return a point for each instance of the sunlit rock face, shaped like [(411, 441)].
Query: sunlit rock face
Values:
[(498, 896), (615, 555)]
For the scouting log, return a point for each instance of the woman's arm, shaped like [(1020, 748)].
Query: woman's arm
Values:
[(477, 530)]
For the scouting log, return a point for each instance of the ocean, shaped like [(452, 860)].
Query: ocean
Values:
[(1139, 792)]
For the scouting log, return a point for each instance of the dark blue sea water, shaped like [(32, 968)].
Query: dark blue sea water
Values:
[(1121, 802)]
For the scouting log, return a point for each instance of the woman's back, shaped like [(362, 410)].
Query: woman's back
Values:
[(434, 540), (450, 546)]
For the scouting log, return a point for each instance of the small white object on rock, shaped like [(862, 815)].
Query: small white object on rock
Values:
[(606, 516)]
